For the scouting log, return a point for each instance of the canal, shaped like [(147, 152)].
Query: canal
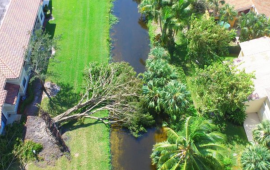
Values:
[(130, 42)]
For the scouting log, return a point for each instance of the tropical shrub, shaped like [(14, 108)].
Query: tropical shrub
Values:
[(162, 90), (207, 41), (256, 157), (261, 134), (228, 13), (198, 146), (221, 90), (253, 26), (28, 150)]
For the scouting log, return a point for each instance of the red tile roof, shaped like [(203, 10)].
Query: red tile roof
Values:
[(12, 93), (15, 32), (240, 5), (262, 6)]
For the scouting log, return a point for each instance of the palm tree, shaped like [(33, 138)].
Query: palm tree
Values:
[(261, 134), (256, 157), (253, 25), (227, 13), (215, 6), (197, 147)]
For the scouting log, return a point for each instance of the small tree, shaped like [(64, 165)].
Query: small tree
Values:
[(40, 49), (207, 41), (221, 89), (253, 25), (261, 134), (256, 157)]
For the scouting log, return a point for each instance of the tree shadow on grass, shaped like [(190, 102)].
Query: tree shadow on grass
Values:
[(65, 99), (236, 135), (74, 124)]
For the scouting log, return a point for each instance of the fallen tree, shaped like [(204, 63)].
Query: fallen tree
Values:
[(115, 88)]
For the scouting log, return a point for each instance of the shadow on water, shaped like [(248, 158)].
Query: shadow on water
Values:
[(130, 153), (130, 41)]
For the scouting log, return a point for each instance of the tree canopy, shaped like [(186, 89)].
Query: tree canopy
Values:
[(197, 147), (261, 134), (253, 26), (163, 91), (256, 157), (221, 89), (207, 41), (115, 88)]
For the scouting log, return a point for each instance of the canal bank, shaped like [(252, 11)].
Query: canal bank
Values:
[(130, 43)]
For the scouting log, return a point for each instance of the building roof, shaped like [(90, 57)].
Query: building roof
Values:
[(255, 46), (240, 5), (262, 6), (256, 59), (15, 31)]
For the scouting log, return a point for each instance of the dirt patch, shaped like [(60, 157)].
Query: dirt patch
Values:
[(37, 132)]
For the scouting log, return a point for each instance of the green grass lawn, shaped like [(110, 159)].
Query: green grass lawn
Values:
[(84, 26), (236, 143)]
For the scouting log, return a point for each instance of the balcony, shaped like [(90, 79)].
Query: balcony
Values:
[(12, 93)]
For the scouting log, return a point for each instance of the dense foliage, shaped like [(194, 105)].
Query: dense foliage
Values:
[(261, 134), (207, 41), (163, 91), (221, 90), (13, 149), (198, 147), (40, 52), (115, 88), (256, 157), (172, 16), (228, 13), (253, 26)]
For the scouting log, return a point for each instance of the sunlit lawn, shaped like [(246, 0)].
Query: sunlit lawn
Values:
[(84, 26)]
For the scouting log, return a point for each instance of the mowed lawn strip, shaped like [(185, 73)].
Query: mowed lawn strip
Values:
[(84, 26)]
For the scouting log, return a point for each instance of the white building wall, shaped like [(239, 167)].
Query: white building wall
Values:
[(264, 112)]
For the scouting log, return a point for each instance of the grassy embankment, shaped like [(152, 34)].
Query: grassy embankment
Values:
[(84, 26)]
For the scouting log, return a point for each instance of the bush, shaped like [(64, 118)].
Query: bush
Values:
[(227, 163), (28, 150)]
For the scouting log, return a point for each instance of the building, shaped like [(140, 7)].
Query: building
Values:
[(17, 22), (255, 57), (259, 6)]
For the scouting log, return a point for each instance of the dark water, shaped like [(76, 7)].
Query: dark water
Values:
[(131, 44), (129, 36), (129, 153)]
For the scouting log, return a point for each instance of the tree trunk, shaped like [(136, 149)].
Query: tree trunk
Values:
[(44, 89), (78, 106)]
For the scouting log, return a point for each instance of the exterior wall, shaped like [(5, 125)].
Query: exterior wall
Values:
[(250, 124), (254, 106), (41, 15), (46, 2), (264, 112), (20, 81)]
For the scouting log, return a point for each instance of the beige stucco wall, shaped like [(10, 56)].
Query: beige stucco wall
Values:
[(250, 124), (264, 112), (254, 106)]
